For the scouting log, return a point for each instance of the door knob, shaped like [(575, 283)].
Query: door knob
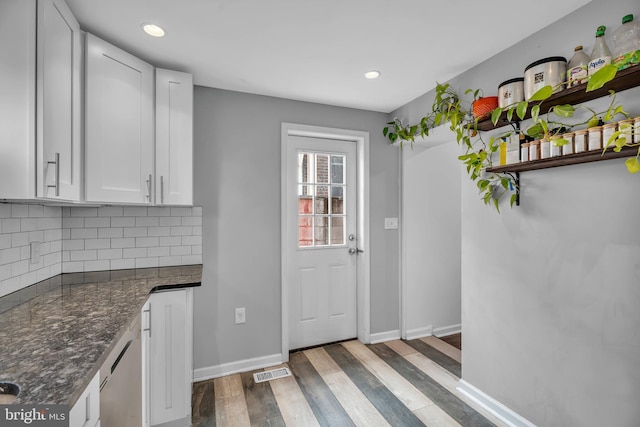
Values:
[(353, 251)]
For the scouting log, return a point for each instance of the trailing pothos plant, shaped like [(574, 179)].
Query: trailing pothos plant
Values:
[(449, 107)]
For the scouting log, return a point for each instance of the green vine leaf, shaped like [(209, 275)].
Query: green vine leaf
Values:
[(601, 77), (593, 122), (495, 116), (535, 112), (542, 93), (514, 197), (521, 109), (560, 142), (510, 114), (564, 110), (633, 166)]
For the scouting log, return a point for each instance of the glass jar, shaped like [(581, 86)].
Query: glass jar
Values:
[(636, 130), (568, 147), (554, 150), (579, 141), (524, 152), (595, 138), (534, 150), (607, 132)]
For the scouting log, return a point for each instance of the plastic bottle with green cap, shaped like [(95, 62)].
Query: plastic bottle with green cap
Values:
[(626, 40), (601, 54)]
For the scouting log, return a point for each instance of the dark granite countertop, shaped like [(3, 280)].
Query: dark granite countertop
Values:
[(56, 334)]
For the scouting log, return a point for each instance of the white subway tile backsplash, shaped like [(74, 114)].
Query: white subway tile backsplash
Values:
[(97, 243), (135, 232), (180, 250), (126, 221), (78, 238), (158, 231), (122, 264), (135, 211), (110, 233), (170, 221), (127, 242), (147, 221), (100, 222), (84, 233), (110, 211), (134, 253)]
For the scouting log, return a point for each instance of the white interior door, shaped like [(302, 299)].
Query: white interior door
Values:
[(321, 208)]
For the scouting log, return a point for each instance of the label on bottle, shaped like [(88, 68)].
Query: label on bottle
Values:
[(577, 75), (627, 60), (597, 63)]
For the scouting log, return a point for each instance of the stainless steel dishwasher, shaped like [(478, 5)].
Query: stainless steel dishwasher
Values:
[(121, 381)]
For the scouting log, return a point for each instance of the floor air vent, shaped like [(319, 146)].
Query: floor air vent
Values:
[(259, 377)]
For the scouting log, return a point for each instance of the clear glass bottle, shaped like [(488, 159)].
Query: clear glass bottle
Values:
[(577, 67), (601, 54), (626, 43)]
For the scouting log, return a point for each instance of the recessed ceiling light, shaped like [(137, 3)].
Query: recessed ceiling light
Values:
[(373, 74), (153, 30)]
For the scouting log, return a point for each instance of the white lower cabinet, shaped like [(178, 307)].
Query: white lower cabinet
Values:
[(86, 411), (167, 344)]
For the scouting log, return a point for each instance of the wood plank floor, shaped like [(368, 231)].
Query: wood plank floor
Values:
[(397, 383)]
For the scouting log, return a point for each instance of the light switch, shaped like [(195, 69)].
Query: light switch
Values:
[(391, 223)]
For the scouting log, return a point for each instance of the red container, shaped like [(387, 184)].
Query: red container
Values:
[(484, 106)]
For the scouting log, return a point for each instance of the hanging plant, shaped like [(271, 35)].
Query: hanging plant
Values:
[(449, 107)]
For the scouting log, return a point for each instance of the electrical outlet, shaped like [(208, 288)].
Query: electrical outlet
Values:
[(391, 223), (240, 316), (35, 253)]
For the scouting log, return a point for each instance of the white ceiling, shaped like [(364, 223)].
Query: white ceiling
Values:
[(319, 50)]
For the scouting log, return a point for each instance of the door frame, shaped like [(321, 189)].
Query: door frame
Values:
[(363, 271)]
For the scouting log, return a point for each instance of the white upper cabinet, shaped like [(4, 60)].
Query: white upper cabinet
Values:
[(59, 102), (174, 138), (35, 130), (119, 116)]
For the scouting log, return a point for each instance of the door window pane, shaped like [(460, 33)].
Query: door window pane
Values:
[(321, 199), (337, 230), (321, 237)]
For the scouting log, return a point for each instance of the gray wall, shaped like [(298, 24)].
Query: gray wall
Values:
[(550, 294), (237, 176)]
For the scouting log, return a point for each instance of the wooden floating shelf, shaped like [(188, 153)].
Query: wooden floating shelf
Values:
[(569, 159), (625, 79)]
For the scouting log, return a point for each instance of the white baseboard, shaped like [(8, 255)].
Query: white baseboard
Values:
[(510, 417), (447, 330), (384, 336), (413, 334), (210, 372)]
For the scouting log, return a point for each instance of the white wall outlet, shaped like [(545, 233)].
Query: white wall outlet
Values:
[(240, 316), (35, 253), (391, 223)]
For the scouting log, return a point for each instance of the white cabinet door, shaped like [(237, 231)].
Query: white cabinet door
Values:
[(17, 99), (174, 138), (86, 411), (119, 125), (170, 356), (58, 103)]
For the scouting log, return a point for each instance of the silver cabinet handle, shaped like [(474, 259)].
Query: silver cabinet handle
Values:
[(162, 189), (148, 320), (149, 189), (57, 183)]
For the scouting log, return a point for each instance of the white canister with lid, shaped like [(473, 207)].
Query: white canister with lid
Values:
[(607, 132), (580, 141), (511, 92), (595, 138), (545, 72)]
